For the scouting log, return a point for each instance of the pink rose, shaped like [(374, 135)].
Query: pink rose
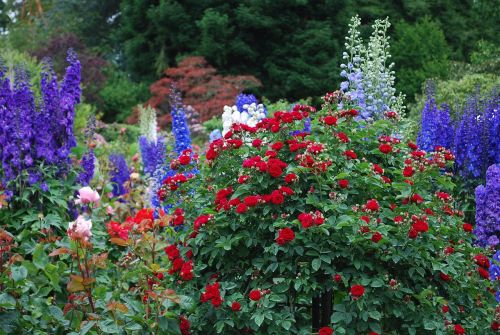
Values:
[(87, 195), (80, 228)]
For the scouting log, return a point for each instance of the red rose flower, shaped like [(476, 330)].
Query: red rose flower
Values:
[(377, 169), (325, 331), (241, 208), (483, 273), (277, 197), (376, 237), (444, 276), (176, 265), (257, 142), (343, 137), (277, 146), (350, 154), (187, 271), (495, 326), (235, 306), (184, 325), (306, 219), (331, 120), (255, 295), (449, 250), (251, 200), (417, 198), (445, 309), (172, 252), (290, 178), (337, 278), (482, 260), (275, 170), (357, 291), (372, 205), (184, 160), (385, 148), (408, 171), (243, 179), (467, 227), (285, 235), (458, 330), (412, 233), (373, 333), (420, 226), (344, 183)]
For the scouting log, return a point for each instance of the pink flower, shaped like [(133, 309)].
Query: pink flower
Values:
[(110, 210), (80, 228), (87, 195)]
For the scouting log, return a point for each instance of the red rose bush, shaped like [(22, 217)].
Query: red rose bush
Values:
[(351, 211)]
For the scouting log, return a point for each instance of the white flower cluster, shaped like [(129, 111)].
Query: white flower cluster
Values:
[(147, 123), (250, 116), (370, 78)]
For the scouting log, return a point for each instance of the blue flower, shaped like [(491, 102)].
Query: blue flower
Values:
[(87, 164), (119, 173), (494, 272), (487, 228), (496, 257), (153, 154)]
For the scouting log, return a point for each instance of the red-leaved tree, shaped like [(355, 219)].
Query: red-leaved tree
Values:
[(201, 86)]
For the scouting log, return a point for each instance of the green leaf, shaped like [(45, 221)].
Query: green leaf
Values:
[(88, 325), (109, 327), (170, 326), (377, 282), (259, 319), (18, 273), (375, 315), (316, 264), (7, 301), (40, 258)]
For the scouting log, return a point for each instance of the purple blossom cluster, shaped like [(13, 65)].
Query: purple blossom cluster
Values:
[(88, 164), (476, 144), (180, 128), (487, 228), (119, 174), (32, 135), (245, 99), (153, 154), (436, 126), (182, 136), (495, 273), (473, 139)]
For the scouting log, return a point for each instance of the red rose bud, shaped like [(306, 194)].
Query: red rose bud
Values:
[(241, 208), (337, 278), (372, 205), (255, 295), (357, 291), (376, 237), (458, 330), (325, 331), (467, 227), (344, 183), (235, 306)]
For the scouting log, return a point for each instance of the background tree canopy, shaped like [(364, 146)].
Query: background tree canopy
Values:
[(293, 47)]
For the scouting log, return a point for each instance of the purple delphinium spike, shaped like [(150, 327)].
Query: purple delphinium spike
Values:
[(487, 228), (153, 154), (119, 173), (180, 127)]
